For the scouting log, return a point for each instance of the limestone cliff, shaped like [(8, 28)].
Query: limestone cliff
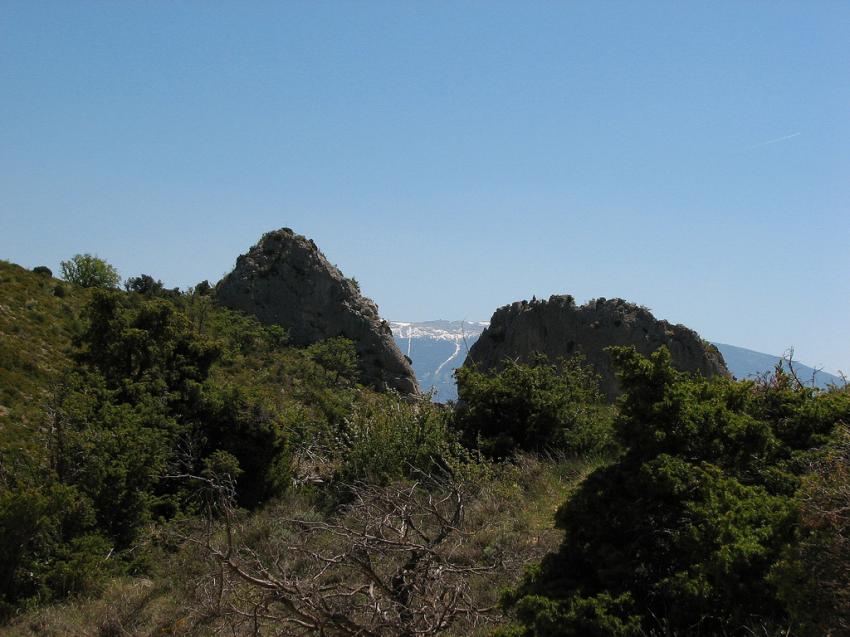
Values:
[(558, 327), (286, 280)]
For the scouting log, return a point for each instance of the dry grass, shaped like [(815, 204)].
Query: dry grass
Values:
[(127, 607), (512, 514)]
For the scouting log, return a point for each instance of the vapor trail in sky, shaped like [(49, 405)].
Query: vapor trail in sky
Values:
[(773, 141)]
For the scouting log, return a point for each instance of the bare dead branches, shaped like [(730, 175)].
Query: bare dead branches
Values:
[(393, 562)]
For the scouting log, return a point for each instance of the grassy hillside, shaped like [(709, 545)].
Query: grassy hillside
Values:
[(39, 316)]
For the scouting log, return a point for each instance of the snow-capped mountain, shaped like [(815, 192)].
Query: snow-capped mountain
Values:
[(437, 348)]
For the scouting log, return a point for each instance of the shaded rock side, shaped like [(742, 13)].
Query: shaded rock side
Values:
[(286, 280), (559, 328)]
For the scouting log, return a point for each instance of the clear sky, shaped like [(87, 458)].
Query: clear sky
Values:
[(451, 156)]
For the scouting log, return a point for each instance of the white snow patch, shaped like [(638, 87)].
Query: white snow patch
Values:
[(438, 330), (449, 359)]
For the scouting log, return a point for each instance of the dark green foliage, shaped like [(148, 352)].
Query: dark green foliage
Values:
[(338, 356), (146, 349), (111, 399), (814, 577), (203, 288), (43, 270), (138, 405), (252, 435), (597, 616), (144, 284), (155, 371), (89, 271), (244, 335), (533, 407), (683, 530), (49, 544), (111, 450)]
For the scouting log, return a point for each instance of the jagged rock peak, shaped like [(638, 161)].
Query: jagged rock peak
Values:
[(286, 280), (559, 328)]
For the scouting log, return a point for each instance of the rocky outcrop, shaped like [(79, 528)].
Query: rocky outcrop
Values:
[(558, 328), (285, 280)]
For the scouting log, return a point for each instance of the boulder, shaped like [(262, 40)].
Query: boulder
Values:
[(560, 328)]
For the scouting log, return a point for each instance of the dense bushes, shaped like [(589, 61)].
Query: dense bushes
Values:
[(387, 437), (680, 535), (49, 544), (338, 356), (110, 401), (534, 407), (135, 410), (814, 577), (720, 507), (153, 370)]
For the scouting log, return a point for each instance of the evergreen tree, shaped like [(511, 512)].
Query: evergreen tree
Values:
[(680, 534)]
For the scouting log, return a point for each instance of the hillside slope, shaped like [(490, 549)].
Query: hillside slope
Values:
[(39, 316), (745, 363)]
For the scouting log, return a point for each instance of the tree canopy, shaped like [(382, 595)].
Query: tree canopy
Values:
[(89, 271)]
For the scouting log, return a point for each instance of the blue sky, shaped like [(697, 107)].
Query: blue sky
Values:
[(453, 157)]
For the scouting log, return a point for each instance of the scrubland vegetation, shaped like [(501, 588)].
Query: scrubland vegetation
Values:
[(169, 467)]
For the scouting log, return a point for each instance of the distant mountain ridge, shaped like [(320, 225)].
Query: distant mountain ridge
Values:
[(746, 363), (437, 348)]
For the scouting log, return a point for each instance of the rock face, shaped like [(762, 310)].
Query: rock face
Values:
[(558, 328), (285, 280)]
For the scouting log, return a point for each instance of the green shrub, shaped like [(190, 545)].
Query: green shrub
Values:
[(106, 396), (144, 284), (250, 433), (141, 404), (388, 437), (49, 545), (338, 356), (813, 578), (203, 288), (534, 407), (683, 530)]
